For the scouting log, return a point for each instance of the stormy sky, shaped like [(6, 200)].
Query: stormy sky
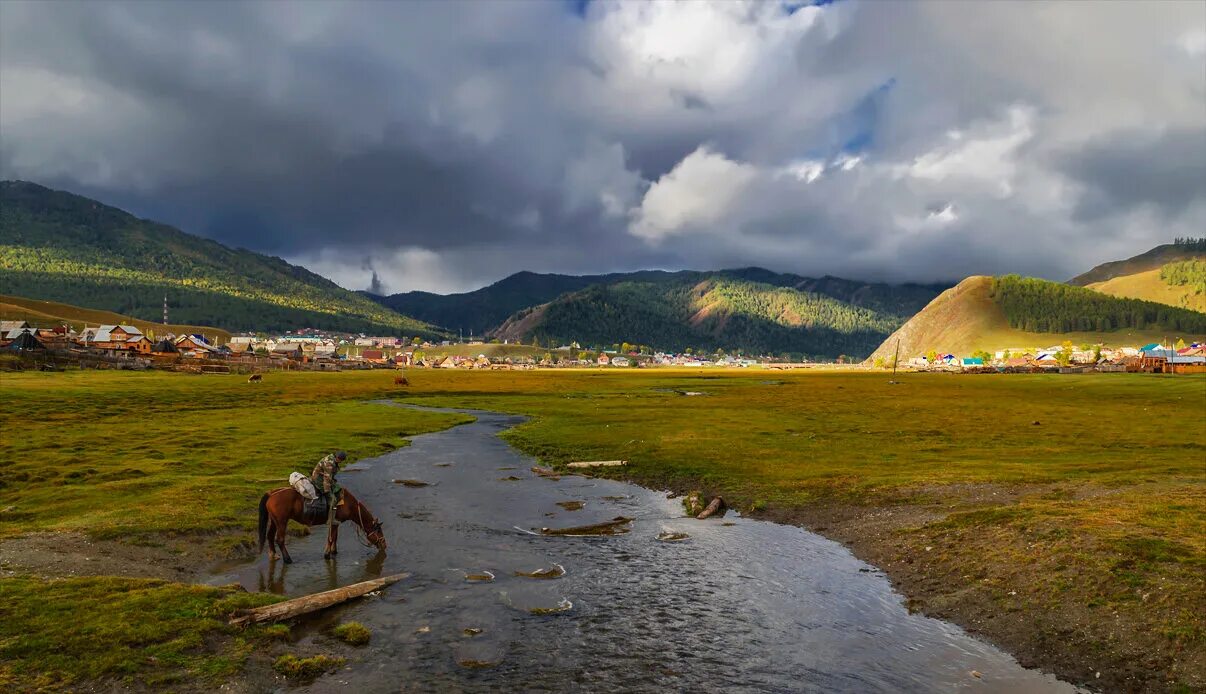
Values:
[(444, 145)]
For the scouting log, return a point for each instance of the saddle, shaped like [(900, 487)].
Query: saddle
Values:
[(316, 510)]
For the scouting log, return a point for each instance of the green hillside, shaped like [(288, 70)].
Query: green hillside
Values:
[(993, 313), (62, 247), (785, 313), (715, 310)]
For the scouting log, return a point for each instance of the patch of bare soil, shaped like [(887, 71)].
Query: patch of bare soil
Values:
[(73, 554)]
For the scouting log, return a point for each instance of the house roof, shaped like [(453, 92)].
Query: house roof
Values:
[(7, 326), (26, 340), (17, 332)]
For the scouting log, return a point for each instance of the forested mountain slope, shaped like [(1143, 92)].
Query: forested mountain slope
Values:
[(762, 310), (705, 311), (63, 247)]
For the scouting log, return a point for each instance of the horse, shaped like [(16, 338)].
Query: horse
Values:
[(279, 506)]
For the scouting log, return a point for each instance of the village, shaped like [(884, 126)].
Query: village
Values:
[(127, 346)]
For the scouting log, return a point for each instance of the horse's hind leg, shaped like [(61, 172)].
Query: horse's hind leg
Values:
[(270, 532), (280, 540)]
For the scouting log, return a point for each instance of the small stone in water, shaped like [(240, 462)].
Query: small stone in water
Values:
[(975, 673), (471, 631), (411, 483), (562, 606), (423, 630), (571, 505), (672, 537), (483, 577)]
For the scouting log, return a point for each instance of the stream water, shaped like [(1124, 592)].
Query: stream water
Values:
[(740, 605)]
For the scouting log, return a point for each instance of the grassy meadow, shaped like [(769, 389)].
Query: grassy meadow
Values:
[(166, 460), (1063, 516), (1070, 507)]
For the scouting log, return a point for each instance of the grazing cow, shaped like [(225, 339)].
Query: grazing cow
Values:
[(401, 381), (255, 378)]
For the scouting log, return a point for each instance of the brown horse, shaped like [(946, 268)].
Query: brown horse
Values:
[(280, 506)]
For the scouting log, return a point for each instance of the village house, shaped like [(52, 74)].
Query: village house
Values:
[(194, 346), (112, 337), (603, 360), (620, 361)]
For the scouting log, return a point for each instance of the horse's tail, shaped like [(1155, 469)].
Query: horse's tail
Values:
[(263, 522)]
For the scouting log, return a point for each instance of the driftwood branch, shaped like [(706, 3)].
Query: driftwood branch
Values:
[(598, 463), (311, 603)]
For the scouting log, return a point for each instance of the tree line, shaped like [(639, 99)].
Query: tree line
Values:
[(1040, 306)]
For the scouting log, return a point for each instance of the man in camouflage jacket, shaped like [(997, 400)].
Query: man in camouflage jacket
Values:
[(324, 481)]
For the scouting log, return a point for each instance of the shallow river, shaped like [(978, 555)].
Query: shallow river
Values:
[(741, 605)]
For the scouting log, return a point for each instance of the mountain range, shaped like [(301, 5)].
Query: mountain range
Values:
[(62, 247), (752, 309), (66, 248)]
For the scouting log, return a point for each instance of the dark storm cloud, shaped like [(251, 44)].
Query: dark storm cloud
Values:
[(452, 143), (1134, 168)]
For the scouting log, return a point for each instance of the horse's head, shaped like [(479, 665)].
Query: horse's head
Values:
[(375, 535)]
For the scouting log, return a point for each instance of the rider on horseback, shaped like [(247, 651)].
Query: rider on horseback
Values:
[(324, 481)]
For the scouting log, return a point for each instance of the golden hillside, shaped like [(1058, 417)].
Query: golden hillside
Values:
[(965, 318), (47, 314), (1148, 286)]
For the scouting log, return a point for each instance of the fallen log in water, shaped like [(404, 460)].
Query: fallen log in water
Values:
[(716, 505), (597, 463), (311, 603), (546, 472), (614, 526)]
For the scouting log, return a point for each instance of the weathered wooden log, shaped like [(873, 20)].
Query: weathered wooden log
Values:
[(716, 505), (614, 526), (311, 603), (597, 463)]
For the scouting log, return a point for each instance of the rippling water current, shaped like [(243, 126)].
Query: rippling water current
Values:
[(741, 605)]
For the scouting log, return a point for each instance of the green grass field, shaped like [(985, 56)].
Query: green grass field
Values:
[(1095, 516), (159, 458), (1064, 516)]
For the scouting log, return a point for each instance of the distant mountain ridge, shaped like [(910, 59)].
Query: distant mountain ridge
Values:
[(1172, 274), (63, 247), (726, 310), (1148, 260), (744, 308)]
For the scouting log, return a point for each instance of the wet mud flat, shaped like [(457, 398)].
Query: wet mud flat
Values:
[(505, 596)]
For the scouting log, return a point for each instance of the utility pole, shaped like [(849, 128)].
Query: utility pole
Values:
[(165, 309), (896, 357)]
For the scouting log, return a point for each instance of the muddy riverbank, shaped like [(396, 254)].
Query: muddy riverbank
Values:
[(739, 604)]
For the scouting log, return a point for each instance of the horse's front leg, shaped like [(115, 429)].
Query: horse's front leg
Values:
[(280, 540), (332, 547)]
